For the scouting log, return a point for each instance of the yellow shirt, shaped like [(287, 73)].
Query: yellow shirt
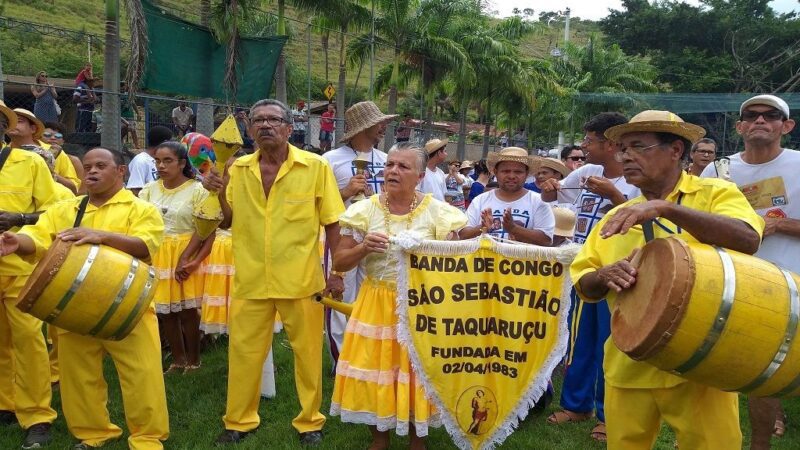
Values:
[(710, 195), (275, 239), (26, 186), (122, 214), (176, 205), (63, 165), (62, 193)]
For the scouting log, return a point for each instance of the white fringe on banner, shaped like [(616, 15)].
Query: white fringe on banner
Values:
[(407, 242)]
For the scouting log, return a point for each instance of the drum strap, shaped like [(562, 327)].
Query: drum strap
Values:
[(647, 225), (4, 156), (81, 212)]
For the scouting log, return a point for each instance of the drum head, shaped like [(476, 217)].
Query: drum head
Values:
[(43, 273), (646, 316)]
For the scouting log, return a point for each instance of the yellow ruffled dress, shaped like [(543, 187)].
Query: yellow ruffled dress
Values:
[(218, 271), (176, 206), (375, 384)]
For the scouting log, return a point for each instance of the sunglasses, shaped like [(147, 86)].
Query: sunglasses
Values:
[(52, 135), (576, 158), (770, 116)]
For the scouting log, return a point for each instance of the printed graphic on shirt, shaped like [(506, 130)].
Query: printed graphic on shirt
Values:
[(374, 175), (766, 193), (776, 213), (521, 217), (592, 208)]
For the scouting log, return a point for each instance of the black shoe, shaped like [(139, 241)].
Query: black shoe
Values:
[(37, 436), (231, 437), (7, 418), (311, 438)]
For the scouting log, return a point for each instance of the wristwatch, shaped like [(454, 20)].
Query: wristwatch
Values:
[(337, 273)]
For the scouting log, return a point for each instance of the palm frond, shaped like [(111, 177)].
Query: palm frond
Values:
[(139, 47)]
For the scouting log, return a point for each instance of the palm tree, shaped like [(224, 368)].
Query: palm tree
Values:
[(280, 70)]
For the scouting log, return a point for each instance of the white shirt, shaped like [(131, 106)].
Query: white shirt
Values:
[(142, 169), (528, 211), (433, 183), (298, 116), (183, 117), (589, 207), (341, 161), (773, 190)]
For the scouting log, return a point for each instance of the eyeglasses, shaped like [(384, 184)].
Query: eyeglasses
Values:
[(588, 140), (636, 149), (576, 158), (705, 152), (52, 135), (271, 121), (770, 116)]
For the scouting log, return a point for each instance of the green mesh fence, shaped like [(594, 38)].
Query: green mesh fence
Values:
[(185, 59)]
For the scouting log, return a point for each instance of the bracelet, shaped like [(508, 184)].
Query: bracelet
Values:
[(22, 220), (484, 230), (337, 273)]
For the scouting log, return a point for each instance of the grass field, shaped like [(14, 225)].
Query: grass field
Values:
[(197, 401)]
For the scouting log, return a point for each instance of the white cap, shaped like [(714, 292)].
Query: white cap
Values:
[(769, 100)]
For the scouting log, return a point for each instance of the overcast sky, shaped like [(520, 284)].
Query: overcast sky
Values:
[(597, 9)]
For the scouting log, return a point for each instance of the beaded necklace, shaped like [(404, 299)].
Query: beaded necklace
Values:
[(387, 213)]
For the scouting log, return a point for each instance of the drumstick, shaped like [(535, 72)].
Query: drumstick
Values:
[(337, 305)]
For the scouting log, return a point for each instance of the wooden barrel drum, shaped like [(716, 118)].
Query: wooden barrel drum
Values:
[(713, 316), (93, 290)]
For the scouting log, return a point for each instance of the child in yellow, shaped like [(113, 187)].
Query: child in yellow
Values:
[(113, 217)]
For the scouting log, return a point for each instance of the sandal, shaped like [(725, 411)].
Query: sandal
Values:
[(566, 416), (779, 429), (174, 368), (598, 433), (191, 368)]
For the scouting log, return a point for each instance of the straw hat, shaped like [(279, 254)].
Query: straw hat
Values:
[(565, 222), (39, 126), (434, 144), (554, 164), (466, 164), (361, 116), (10, 115), (515, 154), (652, 121)]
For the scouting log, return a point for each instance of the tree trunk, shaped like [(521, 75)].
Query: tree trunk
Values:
[(280, 70), (325, 39), (388, 139), (462, 130), (205, 12), (340, 92), (487, 121), (111, 135)]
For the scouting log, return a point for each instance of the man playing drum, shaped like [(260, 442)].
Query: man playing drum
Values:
[(767, 174), (638, 396), (27, 188), (116, 218)]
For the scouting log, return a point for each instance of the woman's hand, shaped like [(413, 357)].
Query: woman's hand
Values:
[(375, 242)]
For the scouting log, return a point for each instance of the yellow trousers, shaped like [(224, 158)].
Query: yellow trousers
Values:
[(52, 335), (84, 392), (702, 417), (250, 328), (24, 371)]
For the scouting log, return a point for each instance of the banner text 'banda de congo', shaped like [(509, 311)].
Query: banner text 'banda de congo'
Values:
[(485, 323)]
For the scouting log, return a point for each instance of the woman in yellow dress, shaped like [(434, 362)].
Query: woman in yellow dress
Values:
[(374, 381), (179, 291)]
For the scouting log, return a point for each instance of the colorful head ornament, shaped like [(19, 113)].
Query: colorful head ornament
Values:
[(201, 152)]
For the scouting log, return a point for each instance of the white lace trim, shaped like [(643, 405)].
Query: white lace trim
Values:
[(382, 377), (385, 423), (215, 300), (164, 308), (219, 269), (371, 331), (213, 328), (357, 235)]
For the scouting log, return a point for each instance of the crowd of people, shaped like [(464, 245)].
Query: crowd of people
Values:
[(629, 180)]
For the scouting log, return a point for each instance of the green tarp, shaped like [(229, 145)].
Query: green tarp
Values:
[(185, 59)]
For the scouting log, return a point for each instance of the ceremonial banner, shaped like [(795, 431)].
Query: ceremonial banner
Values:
[(485, 324)]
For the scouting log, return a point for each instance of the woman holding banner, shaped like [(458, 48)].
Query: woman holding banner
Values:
[(374, 381)]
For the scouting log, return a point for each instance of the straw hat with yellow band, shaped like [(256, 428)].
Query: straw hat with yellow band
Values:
[(11, 116), (515, 154), (38, 125), (652, 121), (434, 145), (361, 116), (552, 164)]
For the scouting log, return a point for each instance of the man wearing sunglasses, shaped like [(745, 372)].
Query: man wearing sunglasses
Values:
[(767, 174), (54, 136)]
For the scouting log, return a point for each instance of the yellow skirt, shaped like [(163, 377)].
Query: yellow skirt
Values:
[(170, 295), (218, 272), (375, 384)]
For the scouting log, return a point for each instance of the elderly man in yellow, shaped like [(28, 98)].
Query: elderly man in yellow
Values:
[(639, 396), (276, 200), (114, 217), (28, 133), (26, 188)]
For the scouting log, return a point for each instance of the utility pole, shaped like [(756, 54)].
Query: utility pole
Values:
[(372, 55), (308, 72), (566, 26)]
